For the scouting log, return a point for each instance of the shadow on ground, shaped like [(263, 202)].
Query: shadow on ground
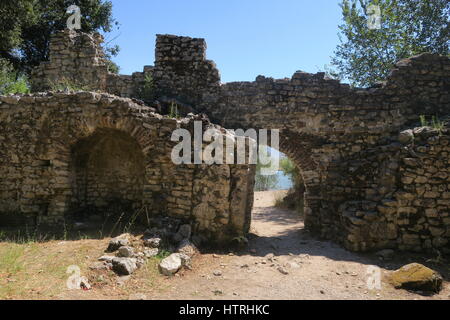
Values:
[(288, 237)]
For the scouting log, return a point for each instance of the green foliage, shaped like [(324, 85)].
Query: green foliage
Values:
[(10, 259), (423, 121), (174, 111), (26, 27), (264, 182), (330, 72), (291, 170), (111, 52), (435, 122), (112, 66), (68, 86), (295, 199), (408, 27), (11, 81)]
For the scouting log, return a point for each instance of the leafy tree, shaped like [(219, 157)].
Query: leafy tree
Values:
[(295, 199), (10, 81), (27, 25), (264, 182), (15, 16), (408, 27), (291, 170)]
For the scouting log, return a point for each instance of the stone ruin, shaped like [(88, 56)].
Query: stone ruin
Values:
[(374, 177)]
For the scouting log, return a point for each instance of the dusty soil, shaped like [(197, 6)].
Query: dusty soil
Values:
[(282, 261), (315, 269)]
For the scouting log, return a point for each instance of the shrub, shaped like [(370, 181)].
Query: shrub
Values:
[(12, 82)]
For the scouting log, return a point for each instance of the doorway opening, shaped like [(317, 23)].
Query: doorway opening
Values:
[(108, 173)]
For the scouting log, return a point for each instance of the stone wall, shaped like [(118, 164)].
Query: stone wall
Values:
[(343, 139), (75, 154)]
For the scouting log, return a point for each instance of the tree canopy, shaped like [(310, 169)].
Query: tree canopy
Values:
[(27, 25), (408, 27)]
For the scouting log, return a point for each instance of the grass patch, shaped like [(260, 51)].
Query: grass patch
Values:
[(10, 262)]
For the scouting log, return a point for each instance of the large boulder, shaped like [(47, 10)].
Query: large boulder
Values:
[(170, 265), (417, 277), (124, 266)]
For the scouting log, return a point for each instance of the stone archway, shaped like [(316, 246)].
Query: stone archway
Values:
[(107, 173)]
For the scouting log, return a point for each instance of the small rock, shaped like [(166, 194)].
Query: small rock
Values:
[(116, 243), (415, 276), (188, 248), (152, 242), (386, 254), (149, 253), (106, 258), (217, 273), (125, 252), (124, 266), (218, 292), (140, 262), (282, 270), (84, 284), (269, 256), (406, 136), (185, 260), (170, 265)]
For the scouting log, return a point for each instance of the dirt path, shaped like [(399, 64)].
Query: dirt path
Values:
[(301, 267)]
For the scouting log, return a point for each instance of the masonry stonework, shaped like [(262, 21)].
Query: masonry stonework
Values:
[(69, 154), (367, 186)]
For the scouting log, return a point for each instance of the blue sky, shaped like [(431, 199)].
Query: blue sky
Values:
[(245, 38)]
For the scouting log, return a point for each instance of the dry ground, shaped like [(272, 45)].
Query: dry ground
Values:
[(315, 269)]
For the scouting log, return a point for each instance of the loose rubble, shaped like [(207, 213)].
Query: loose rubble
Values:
[(130, 252)]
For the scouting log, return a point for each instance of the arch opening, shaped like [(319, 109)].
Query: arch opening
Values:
[(285, 187), (107, 175)]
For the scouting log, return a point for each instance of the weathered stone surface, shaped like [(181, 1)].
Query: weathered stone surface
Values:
[(373, 177), (106, 258), (152, 242), (406, 136), (116, 243), (415, 276), (125, 252), (170, 265), (124, 266), (149, 253), (188, 248)]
